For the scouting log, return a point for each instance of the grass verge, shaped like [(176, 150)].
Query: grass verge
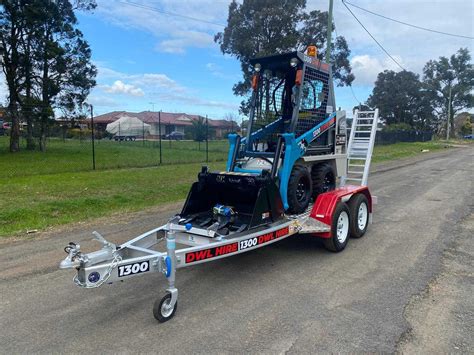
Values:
[(37, 194)]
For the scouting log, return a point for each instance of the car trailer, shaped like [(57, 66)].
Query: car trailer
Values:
[(294, 149), (335, 215)]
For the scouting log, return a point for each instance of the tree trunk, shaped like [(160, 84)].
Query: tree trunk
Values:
[(44, 128), (15, 130), (30, 142), (45, 106)]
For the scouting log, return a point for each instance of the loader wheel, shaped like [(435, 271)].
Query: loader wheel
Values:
[(323, 178), (299, 189), (339, 229), (359, 209), (162, 310)]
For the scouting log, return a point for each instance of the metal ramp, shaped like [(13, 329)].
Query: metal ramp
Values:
[(360, 147)]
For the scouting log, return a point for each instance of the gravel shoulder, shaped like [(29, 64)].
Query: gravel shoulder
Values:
[(441, 318)]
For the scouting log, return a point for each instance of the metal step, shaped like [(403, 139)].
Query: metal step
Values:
[(353, 179), (357, 165), (355, 172)]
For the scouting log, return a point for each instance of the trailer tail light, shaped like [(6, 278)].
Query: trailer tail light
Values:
[(299, 77), (255, 82)]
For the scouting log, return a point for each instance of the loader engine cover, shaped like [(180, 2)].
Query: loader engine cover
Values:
[(255, 199)]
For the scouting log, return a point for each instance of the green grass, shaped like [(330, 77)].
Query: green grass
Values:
[(403, 150), (75, 155), (43, 190)]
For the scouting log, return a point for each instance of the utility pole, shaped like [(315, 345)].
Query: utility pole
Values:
[(449, 113), (331, 100), (329, 33)]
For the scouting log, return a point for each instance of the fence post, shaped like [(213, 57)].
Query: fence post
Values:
[(143, 132), (159, 133), (93, 138), (207, 140)]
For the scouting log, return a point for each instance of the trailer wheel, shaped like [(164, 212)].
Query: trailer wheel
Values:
[(323, 178), (162, 310), (299, 189), (359, 209), (339, 229)]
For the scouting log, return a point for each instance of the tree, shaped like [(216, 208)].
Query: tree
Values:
[(199, 130), (400, 99), (12, 22), (62, 58), (463, 123), (232, 118), (46, 62), (265, 27), (445, 77)]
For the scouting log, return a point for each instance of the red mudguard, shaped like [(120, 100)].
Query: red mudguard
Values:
[(325, 204)]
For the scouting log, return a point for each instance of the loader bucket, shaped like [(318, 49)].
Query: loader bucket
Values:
[(254, 200)]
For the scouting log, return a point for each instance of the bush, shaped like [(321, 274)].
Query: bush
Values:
[(396, 127), (77, 133)]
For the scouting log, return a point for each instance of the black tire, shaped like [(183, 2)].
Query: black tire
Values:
[(359, 215), (337, 242), (323, 177), (299, 189), (159, 311)]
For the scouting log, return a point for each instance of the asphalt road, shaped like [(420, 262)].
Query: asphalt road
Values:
[(292, 296)]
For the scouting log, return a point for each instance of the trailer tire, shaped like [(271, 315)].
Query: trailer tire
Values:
[(323, 178), (299, 189), (359, 212), (161, 310), (340, 227)]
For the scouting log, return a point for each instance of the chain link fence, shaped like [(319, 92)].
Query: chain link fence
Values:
[(83, 146), (89, 147)]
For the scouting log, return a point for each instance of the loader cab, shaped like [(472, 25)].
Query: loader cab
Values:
[(291, 94)]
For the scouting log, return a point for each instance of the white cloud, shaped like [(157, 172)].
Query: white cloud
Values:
[(119, 87), (157, 86), (185, 39), (174, 34), (157, 80), (218, 72), (104, 101), (366, 68)]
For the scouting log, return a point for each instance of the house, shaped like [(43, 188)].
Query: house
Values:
[(170, 122)]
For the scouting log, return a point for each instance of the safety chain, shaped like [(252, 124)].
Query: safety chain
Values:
[(117, 259)]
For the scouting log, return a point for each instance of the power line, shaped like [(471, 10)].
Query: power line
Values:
[(146, 7), (370, 34), (409, 24), (353, 94)]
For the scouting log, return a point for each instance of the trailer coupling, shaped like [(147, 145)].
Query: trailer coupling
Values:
[(76, 258)]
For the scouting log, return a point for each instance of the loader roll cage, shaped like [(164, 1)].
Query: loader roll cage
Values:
[(293, 95)]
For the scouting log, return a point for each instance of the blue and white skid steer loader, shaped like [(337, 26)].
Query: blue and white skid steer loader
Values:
[(294, 149)]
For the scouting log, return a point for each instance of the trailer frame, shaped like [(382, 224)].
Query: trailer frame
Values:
[(137, 257)]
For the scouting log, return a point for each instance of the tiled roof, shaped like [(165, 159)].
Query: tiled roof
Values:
[(178, 119)]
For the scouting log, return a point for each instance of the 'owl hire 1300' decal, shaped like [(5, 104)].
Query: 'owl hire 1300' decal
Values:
[(324, 127), (234, 247)]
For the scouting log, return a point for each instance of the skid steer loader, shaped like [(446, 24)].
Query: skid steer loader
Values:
[(294, 149)]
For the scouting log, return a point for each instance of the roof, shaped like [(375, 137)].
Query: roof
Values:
[(178, 119)]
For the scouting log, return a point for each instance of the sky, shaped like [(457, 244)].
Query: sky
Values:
[(147, 60)]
